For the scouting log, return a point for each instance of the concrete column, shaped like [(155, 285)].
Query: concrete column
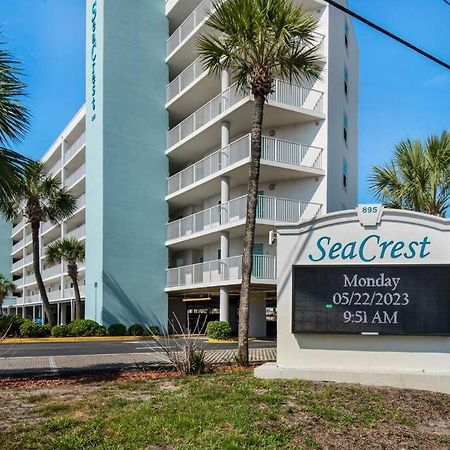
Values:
[(257, 312), (34, 313), (57, 314), (64, 314)]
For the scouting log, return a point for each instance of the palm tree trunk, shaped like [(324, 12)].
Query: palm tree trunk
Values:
[(2, 297), (37, 273), (249, 234), (76, 289)]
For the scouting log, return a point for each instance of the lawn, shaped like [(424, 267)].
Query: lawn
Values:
[(226, 410)]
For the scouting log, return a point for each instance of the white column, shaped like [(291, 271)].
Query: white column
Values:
[(34, 312), (64, 314)]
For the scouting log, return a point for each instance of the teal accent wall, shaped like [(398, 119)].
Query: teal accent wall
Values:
[(126, 213), (5, 248)]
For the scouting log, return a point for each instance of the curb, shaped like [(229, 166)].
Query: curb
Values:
[(75, 339)]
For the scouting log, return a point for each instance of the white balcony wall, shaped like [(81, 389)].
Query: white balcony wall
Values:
[(75, 147), (76, 175)]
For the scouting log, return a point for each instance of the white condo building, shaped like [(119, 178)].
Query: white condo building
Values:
[(193, 224)]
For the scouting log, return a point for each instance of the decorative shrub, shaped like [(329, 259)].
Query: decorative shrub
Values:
[(12, 323), (60, 331), (137, 330), (153, 330), (86, 327), (117, 329), (30, 329), (218, 330)]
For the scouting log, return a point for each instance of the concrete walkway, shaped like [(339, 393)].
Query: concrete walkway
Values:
[(43, 365)]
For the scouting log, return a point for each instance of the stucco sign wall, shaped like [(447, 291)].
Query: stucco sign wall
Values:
[(364, 296)]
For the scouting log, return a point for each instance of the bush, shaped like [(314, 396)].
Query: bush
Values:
[(153, 330), (218, 330), (137, 330), (60, 331), (117, 329), (30, 329), (86, 327), (12, 323)]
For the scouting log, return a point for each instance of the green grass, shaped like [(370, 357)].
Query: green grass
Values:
[(225, 411)]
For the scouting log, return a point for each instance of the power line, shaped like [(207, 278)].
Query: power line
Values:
[(389, 34), (446, 1)]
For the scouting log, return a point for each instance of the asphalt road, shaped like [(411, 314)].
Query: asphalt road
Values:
[(108, 347)]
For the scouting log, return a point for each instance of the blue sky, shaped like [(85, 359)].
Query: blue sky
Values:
[(401, 93)]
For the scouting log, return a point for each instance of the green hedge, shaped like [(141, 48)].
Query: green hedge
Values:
[(86, 327), (11, 323), (137, 330), (218, 330), (117, 329), (30, 329), (60, 331)]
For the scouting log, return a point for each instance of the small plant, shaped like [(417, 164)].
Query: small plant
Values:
[(86, 327), (60, 331), (137, 330), (11, 323), (30, 329), (218, 330), (117, 329)]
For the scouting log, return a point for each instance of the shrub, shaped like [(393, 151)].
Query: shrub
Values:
[(218, 330), (60, 331), (117, 329), (12, 323), (86, 327), (137, 330), (153, 330), (30, 329)]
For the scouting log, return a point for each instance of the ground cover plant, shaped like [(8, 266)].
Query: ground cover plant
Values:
[(228, 409)]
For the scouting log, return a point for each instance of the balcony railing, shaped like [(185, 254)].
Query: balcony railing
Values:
[(18, 264), (55, 168), (268, 208), (18, 226), (189, 25), (77, 145), (72, 178), (182, 81), (29, 279), (29, 258), (81, 201), (70, 293), (273, 150), (215, 272), (51, 271), (77, 233), (285, 93)]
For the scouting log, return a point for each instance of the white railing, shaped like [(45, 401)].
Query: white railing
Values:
[(70, 292), (72, 178), (268, 208), (55, 168), (77, 233), (81, 201), (273, 150), (75, 147), (29, 279), (285, 93), (28, 238), (205, 114), (17, 245), (51, 271), (18, 264), (54, 295), (29, 258), (215, 272), (296, 96), (28, 299), (182, 81), (19, 282), (189, 25), (18, 226), (47, 226)]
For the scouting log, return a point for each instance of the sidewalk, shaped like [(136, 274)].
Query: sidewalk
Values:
[(57, 365)]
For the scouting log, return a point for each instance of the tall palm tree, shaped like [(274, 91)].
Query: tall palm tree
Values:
[(72, 252), (14, 123), (417, 178), (256, 41), (6, 288), (41, 199)]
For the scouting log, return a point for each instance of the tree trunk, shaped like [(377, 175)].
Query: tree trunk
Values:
[(2, 297), (37, 273), (249, 234), (76, 289)]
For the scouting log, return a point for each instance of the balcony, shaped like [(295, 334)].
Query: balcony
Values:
[(269, 211), (77, 233), (289, 104), (51, 272), (18, 227), (283, 157), (75, 147), (29, 279), (75, 176), (55, 168), (221, 272), (70, 293)]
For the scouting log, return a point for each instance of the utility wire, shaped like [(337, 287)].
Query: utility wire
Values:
[(446, 1), (389, 34)]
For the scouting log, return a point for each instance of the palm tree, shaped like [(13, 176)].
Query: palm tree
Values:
[(6, 287), (72, 252), (256, 41), (14, 123), (417, 178), (42, 199)]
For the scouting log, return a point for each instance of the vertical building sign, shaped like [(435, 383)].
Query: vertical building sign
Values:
[(93, 53)]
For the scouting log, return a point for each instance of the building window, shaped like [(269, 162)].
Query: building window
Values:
[(346, 81), (346, 34), (344, 174), (345, 128)]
